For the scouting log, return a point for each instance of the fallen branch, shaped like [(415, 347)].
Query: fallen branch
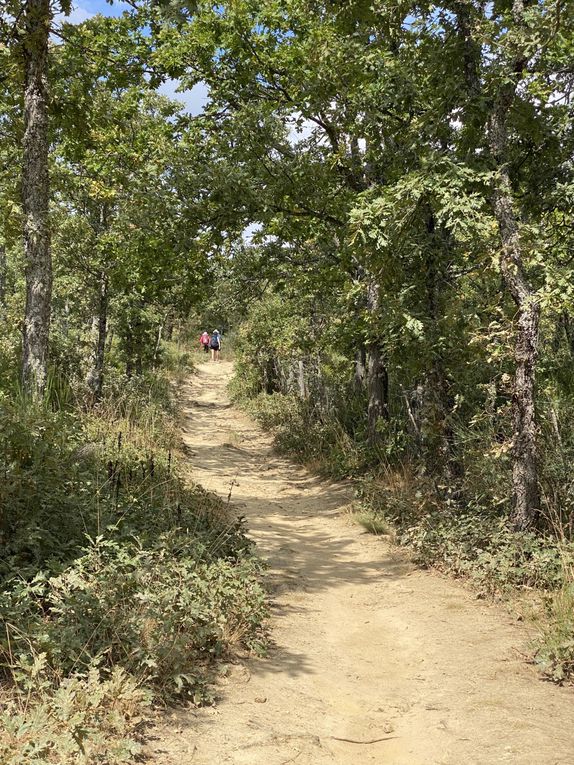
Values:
[(370, 741)]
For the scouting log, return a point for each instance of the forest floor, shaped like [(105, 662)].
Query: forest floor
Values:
[(372, 660)]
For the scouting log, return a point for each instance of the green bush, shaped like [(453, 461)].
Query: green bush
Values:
[(68, 475), (311, 437), (122, 582), (45, 494), (163, 614)]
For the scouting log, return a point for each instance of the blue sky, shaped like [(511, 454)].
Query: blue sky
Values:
[(86, 8), (192, 100)]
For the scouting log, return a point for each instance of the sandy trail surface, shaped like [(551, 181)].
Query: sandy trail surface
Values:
[(373, 660)]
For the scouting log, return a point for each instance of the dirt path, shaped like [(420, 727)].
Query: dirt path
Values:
[(366, 646)]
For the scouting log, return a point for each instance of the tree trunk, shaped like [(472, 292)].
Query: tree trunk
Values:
[(376, 375), (437, 435), (301, 382), (473, 114), (110, 340), (157, 347), (564, 327), (95, 377), (360, 368), (270, 378), (526, 499), (35, 199), (525, 493), (378, 392)]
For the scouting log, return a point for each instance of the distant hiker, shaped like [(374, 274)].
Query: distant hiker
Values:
[(204, 340), (215, 345)]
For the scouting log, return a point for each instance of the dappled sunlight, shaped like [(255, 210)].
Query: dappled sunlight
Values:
[(364, 648)]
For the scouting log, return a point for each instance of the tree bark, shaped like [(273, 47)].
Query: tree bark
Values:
[(95, 377), (526, 498), (271, 382), (157, 346), (564, 327), (473, 114), (301, 380), (471, 54), (35, 199), (378, 392), (525, 491), (360, 368)]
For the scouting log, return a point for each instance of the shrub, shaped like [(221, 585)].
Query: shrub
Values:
[(45, 491), (85, 720), (68, 475), (163, 614), (122, 582), (313, 438)]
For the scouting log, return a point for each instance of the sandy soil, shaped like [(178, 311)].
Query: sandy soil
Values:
[(373, 661)]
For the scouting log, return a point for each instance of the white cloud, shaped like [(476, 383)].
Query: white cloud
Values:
[(250, 231), (299, 128), (193, 101), (76, 16)]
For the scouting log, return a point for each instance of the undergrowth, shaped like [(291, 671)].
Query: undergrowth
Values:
[(463, 540), (123, 584), (311, 437)]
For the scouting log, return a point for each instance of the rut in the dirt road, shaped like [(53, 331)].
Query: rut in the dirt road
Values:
[(373, 661)]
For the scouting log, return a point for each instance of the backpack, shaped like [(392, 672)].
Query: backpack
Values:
[(204, 338), (214, 343)]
